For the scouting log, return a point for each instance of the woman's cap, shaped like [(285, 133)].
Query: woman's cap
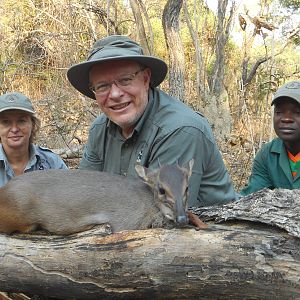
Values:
[(16, 101)]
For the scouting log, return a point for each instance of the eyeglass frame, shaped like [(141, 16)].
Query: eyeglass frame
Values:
[(116, 82)]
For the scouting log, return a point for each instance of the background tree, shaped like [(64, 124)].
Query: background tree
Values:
[(226, 71), (170, 22), (140, 25), (211, 92)]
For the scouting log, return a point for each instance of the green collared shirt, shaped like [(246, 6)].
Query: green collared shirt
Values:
[(167, 133), (271, 169)]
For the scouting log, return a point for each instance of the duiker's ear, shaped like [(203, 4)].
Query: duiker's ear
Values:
[(147, 176), (191, 164), (189, 167), (141, 171)]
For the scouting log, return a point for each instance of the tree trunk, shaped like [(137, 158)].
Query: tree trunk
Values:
[(229, 261), (217, 112), (199, 66), (140, 26), (279, 207), (175, 48), (217, 103), (222, 35), (149, 27)]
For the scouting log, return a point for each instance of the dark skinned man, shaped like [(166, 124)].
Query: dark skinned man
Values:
[(277, 164)]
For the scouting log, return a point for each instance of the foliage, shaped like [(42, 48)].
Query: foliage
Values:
[(293, 5), (41, 39)]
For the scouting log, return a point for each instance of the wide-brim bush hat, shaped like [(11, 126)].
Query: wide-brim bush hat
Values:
[(16, 101), (114, 47), (288, 90)]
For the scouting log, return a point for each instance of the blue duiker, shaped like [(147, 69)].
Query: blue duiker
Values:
[(69, 201)]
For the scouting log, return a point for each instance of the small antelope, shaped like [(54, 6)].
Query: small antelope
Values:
[(69, 201)]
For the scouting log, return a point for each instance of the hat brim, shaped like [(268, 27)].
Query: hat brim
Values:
[(17, 108), (295, 97), (78, 75)]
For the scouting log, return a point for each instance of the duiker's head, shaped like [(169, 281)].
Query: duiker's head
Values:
[(170, 188)]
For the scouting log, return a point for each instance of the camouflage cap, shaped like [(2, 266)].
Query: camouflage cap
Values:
[(288, 90), (17, 101)]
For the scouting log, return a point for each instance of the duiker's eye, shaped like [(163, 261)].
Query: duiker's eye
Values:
[(161, 190)]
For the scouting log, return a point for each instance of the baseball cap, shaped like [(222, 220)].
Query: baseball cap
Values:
[(17, 101), (290, 89)]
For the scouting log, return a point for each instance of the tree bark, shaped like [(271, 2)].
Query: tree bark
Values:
[(226, 261), (104, 18), (200, 70), (222, 35), (216, 107), (149, 26), (175, 48), (140, 26), (279, 207)]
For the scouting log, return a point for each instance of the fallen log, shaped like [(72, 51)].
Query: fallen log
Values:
[(279, 207), (231, 260)]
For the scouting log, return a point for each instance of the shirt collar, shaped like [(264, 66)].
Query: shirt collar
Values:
[(34, 155), (33, 152), (2, 154), (278, 146)]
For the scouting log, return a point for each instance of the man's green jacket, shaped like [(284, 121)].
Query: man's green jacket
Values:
[(271, 169), (168, 132)]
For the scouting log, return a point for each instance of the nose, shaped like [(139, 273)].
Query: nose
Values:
[(287, 117), (14, 127), (115, 91)]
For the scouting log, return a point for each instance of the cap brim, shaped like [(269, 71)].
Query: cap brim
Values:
[(78, 75), (17, 108), (295, 97)]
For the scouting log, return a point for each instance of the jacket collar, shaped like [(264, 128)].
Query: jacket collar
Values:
[(33, 153), (279, 148)]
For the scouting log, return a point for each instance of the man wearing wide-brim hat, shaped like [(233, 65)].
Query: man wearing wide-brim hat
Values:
[(143, 125), (277, 164)]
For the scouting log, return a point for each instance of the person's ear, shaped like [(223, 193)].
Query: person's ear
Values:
[(147, 76)]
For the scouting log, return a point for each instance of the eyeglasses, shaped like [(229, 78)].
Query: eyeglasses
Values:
[(103, 88)]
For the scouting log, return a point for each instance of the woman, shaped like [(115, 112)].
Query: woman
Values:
[(18, 128)]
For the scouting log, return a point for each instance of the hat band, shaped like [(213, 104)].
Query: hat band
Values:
[(120, 47), (94, 51)]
